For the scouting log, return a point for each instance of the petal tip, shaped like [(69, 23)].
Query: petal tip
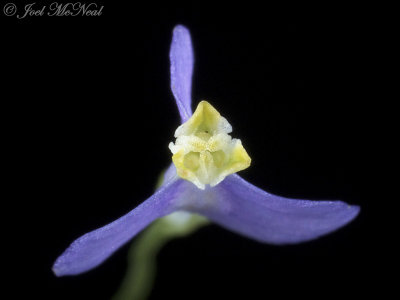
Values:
[(59, 267), (180, 28), (355, 211), (56, 270)]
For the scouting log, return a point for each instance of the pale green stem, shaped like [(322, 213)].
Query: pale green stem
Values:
[(142, 256)]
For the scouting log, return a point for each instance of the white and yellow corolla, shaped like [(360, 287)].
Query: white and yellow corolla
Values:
[(204, 152), (201, 180)]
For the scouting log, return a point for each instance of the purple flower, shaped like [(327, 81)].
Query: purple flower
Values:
[(202, 180)]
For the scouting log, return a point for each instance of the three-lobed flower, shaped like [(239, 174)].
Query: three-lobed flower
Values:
[(202, 180)]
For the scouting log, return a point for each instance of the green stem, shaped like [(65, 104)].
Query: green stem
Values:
[(142, 256)]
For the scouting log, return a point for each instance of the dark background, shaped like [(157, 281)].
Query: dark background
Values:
[(88, 114)]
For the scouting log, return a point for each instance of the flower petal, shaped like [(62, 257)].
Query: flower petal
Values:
[(248, 210), (169, 174), (181, 57), (94, 247)]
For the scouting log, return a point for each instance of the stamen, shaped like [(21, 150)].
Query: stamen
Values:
[(204, 152)]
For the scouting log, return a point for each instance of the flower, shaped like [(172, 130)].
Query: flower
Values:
[(202, 181)]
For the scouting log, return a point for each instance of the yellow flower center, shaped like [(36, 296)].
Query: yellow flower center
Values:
[(204, 152)]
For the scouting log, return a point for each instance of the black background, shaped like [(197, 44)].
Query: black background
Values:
[(88, 115)]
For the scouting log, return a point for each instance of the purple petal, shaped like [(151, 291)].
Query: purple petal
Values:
[(170, 174), (248, 210), (181, 56), (94, 247)]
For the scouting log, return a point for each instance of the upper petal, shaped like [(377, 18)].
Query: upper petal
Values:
[(181, 57), (94, 247), (246, 209)]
